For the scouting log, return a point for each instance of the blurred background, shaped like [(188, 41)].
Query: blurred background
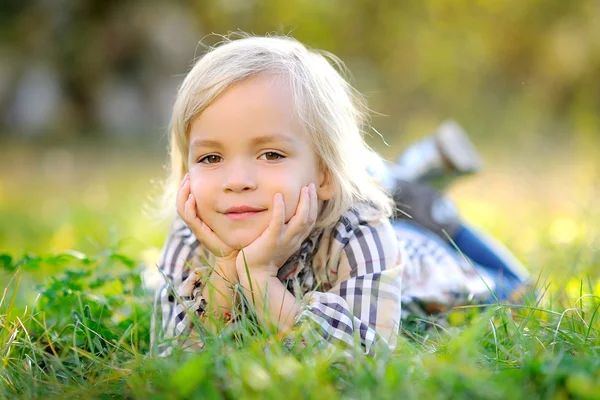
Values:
[(86, 89)]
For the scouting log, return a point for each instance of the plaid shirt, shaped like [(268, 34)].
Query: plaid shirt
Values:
[(348, 276), (352, 279)]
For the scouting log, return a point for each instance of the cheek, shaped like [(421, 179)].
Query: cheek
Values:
[(290, 209), (201, 191), (291, 186), (195, 187), (291, 198)]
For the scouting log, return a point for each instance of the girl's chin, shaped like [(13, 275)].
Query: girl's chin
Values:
[(241, 241)]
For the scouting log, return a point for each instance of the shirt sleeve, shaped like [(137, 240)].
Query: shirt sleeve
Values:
[(179, 296), (363, 306)]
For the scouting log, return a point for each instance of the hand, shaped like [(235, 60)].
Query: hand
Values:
[(186, 208), (279, 241)]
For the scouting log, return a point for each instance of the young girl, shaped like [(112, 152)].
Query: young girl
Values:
[(269, 176)]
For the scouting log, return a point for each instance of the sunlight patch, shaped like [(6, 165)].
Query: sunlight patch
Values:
[(563, 231), (63, 238)]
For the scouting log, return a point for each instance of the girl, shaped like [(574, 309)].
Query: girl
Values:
[(269, 174)]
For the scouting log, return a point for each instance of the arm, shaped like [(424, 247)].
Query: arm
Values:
[(258, 263), (274, 304), (184, 294), (177, 262), (218, 289)]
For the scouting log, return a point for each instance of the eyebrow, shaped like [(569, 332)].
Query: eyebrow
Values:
[(256, 141)]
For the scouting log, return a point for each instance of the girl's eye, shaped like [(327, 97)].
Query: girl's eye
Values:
[(272, 156), (210, 159)]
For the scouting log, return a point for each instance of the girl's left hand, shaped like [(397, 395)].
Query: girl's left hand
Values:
[(279, 241), (186, 208)]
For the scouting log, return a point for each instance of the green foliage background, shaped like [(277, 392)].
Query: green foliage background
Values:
[(511, 71)]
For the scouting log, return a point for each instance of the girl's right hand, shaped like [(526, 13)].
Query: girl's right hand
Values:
[(186, 208)]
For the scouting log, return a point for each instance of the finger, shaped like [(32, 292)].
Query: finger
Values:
[(297, 224), (182, 197), (189, 214), (277, 222), (184, 180), (210, 239), (314, 205), (202, 231)]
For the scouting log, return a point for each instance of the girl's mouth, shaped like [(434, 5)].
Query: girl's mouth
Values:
[(239, 216), (239, 213)]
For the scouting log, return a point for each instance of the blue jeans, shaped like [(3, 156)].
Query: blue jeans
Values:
[(492, 256), (485, 252)]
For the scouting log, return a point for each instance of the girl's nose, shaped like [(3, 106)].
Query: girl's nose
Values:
[(239, 178)]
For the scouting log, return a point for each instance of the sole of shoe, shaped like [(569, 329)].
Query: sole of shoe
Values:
[(457, 148)]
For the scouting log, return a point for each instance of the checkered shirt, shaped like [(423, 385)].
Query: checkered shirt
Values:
[(348, 278), (351, 278)]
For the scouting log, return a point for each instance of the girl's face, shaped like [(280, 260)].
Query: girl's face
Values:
[(246, 146)]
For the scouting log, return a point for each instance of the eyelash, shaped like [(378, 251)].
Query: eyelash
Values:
[(204, 160), (279, 155)]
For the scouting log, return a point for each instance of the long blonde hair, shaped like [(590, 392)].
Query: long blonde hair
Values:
[(334, 114)]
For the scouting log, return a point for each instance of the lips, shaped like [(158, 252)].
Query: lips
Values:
[(242, 209), (239, 213)]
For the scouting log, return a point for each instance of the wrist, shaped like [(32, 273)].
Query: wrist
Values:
[(258, 276), (227, 268)]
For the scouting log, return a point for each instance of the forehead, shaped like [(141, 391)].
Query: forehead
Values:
[(259, 109), (274, 138)]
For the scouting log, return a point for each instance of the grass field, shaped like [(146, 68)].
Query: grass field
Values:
[(75, 246)]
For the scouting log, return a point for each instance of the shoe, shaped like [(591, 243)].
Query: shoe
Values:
[(440, 158), (457, 149)]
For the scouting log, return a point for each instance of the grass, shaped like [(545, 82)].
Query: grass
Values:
[(76, 324)]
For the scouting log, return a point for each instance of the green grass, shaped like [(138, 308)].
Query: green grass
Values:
[(75, 324), (86, 336)]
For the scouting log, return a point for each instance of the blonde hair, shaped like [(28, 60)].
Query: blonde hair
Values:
[(333, 112)]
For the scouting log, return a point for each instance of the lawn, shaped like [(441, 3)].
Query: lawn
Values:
[(77, 252)]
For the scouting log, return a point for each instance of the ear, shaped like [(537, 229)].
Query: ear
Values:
[(325, 187)]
